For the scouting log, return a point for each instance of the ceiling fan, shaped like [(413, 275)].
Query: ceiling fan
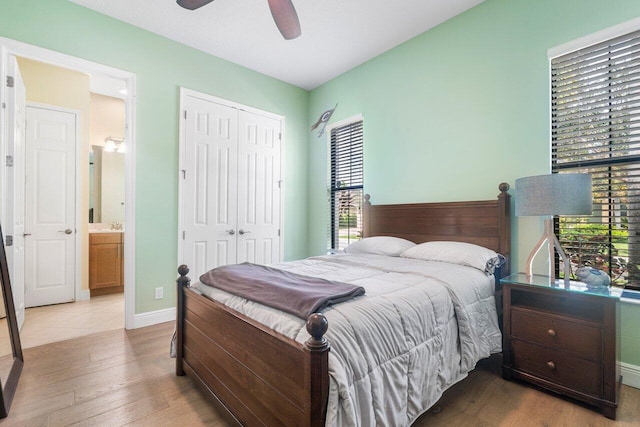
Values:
[(283, 12)]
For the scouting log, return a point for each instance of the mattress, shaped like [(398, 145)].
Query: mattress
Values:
[(420, 328)]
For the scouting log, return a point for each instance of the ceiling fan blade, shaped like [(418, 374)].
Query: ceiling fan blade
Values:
[(193, 4), (286, 18)]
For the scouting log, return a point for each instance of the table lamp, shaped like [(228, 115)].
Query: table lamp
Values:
[(549, 195)]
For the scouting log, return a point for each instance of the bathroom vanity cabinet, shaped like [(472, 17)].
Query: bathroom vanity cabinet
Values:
[(106, 262)]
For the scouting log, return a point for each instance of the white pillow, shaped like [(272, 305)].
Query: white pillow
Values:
[(380, 245), (456, 253)]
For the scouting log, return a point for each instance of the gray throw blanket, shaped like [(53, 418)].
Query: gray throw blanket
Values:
[(286, 291)]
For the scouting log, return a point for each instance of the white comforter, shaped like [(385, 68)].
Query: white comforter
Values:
[(420, 328)]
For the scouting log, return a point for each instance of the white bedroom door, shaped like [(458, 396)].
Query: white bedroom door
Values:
[(230, 189), (50, 206)]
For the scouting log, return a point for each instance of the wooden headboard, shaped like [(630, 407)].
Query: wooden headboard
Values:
[(485, 223)]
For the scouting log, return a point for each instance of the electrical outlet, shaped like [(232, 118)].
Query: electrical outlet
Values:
[(159, 293)]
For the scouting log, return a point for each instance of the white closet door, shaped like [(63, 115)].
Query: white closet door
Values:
[(258, 189), (210, 183), (230, 193)]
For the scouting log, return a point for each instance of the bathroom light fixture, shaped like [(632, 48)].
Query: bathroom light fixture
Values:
[(112, 144)]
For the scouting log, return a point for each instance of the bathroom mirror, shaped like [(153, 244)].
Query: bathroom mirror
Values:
[(106, 186), (11, 360)]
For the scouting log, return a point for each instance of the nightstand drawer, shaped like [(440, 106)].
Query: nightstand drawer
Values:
[(557, 332), (558, 367)]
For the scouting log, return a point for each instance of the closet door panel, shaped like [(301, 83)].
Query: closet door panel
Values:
[(258, 188), (210, 190)]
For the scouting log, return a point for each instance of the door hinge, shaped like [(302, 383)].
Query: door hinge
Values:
[(184, 235), (184, 173), (9, 240), (280, 136), (278, 232), (9, 161), (280, 184), (4, 105), (10, 81), (185, 114)]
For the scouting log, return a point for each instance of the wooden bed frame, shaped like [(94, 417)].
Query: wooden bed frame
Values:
[(257, 376)]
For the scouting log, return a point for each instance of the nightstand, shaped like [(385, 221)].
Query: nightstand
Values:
[(563, 339)]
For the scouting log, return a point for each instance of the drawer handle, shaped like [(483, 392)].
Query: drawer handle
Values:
[(551, 365), (551, 332)]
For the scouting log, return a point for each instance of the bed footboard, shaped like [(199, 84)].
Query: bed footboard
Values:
[(257, 375)]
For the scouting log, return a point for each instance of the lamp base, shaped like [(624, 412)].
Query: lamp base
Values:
[(554, 245)]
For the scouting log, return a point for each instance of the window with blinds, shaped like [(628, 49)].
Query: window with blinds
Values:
[(595, 119), (346, 184)]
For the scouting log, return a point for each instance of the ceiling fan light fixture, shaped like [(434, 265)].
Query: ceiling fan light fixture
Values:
[(193, 4), (286, 18), (283, 12)]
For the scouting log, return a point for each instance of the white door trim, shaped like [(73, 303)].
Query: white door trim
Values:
[(13, 47), (184, 93), (15, 223)]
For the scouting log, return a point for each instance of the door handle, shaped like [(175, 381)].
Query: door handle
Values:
[(26, 234), (242, 232), (231, 232), (67, 231)]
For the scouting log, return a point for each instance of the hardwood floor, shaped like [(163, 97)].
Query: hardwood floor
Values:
[(111, 378), (484, 399), (123, 377)]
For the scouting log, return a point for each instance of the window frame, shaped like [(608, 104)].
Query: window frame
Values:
[(333, 245), (566, 49)]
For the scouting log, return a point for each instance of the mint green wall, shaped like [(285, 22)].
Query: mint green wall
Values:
[(630, 343), (448, 115), (453, 112), (161, 67)]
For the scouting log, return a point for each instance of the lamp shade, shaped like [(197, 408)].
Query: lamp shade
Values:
[(554, 194)]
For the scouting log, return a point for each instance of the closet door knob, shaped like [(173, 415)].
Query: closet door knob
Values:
[(242, 232), (231, 232)]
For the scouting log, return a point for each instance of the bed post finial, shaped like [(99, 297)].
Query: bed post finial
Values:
[(504, 187), (183, 270), (317, 325)]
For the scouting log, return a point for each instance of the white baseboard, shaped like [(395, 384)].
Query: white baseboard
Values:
[(154, 317), (83, 295), (630, 374)]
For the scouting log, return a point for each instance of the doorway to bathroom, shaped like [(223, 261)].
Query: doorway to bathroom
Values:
[(105, 87)]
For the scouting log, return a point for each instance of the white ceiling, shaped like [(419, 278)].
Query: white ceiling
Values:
[(337, 35)]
